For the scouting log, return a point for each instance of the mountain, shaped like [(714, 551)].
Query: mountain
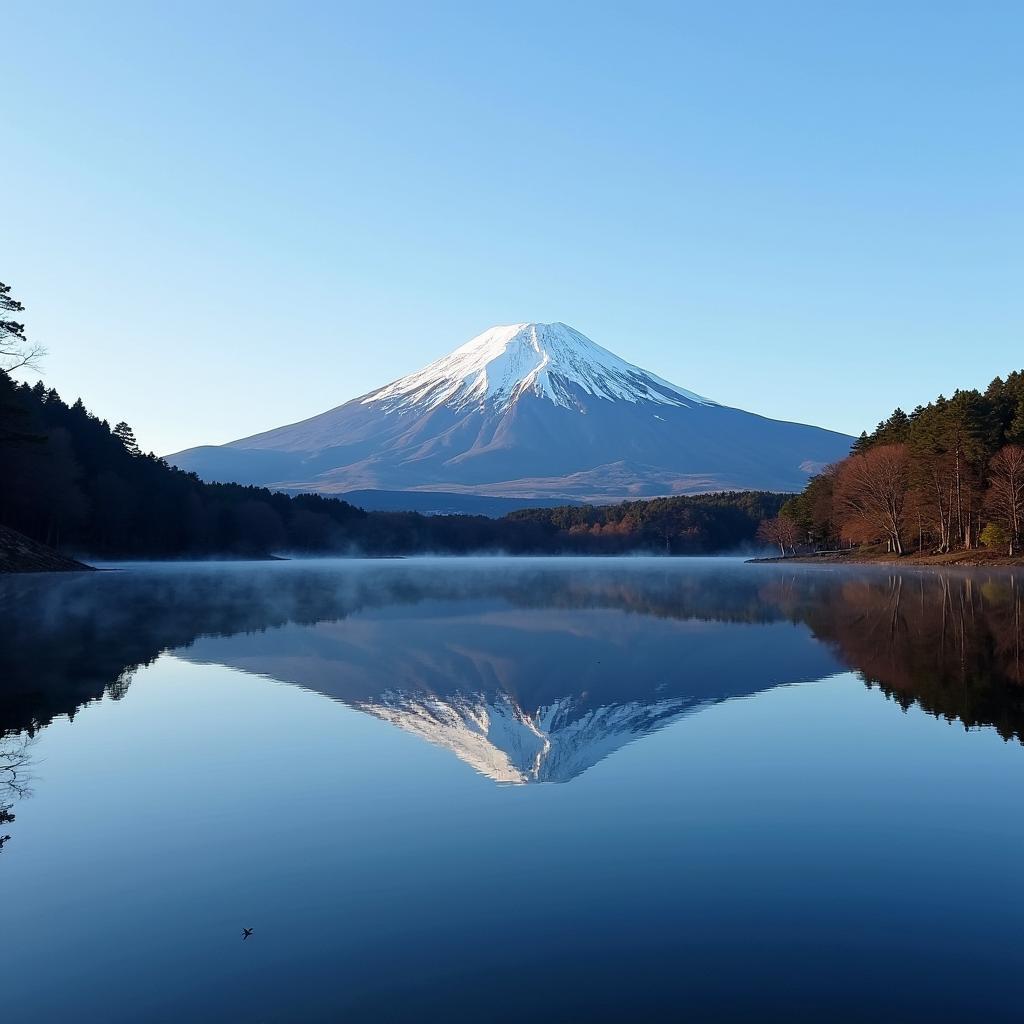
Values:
[(527, 411)]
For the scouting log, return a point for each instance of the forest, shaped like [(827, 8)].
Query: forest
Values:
[(75, 483), (947, 477)]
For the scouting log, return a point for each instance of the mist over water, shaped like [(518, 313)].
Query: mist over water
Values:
[(484, 789)]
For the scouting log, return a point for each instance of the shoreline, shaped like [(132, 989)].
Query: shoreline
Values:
[(21, 555), (946, 560)]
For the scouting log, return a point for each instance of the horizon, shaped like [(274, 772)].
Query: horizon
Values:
[(802, 213)]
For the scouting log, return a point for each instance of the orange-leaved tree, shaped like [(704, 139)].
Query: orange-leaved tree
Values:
[(871, 494)]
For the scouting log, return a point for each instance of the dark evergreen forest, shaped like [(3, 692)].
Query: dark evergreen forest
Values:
[(72, 481)]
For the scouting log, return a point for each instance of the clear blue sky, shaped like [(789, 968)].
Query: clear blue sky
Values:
[(228, 216)]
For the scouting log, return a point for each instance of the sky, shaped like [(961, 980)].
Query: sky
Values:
[(227, 217)]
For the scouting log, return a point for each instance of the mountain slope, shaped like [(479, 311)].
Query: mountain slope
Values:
[(528, 410)]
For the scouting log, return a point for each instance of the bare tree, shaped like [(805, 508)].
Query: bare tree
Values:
[(871, 494), (768, 533), (15, 762), (16, 351), (790, 533), (1005, 497), (781, 531), (933, 496)]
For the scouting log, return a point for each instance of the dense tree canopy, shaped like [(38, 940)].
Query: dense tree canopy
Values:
[(933, 479)]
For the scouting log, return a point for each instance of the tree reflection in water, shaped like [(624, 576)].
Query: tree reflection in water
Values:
[(15, 776), (949, 642)]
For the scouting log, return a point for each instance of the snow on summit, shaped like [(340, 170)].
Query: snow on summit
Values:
[(548, 360)]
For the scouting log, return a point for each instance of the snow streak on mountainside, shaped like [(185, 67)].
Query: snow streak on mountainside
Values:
[(527, 411), (503, 742), (529, 694), (505, 363)]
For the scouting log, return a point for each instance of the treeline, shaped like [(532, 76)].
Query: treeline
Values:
[(72, 481), (948, 476), (678, 525)]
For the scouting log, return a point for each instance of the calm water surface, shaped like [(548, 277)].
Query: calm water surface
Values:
[(490, 790)]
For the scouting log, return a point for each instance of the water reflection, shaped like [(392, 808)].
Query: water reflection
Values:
[(526, 672), (15, 777), (747, 864)]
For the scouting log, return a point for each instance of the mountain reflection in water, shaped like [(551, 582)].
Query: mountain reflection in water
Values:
[(528, 672)]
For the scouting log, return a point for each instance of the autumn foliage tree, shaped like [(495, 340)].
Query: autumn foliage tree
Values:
[(956, 480), (1005, 498), (781, 531), (871, 494)]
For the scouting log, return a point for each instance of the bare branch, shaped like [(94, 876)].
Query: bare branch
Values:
[(12, 360), (16, 351), (15, 762)]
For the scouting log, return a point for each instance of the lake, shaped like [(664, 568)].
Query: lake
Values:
[(499, 790)]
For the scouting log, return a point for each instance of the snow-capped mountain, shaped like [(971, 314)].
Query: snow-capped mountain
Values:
[(504, 364), (527, 411)]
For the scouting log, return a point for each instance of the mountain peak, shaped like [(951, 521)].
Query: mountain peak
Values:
[(504, 363)]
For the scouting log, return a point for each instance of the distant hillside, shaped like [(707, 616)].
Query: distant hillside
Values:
[(445, 503)]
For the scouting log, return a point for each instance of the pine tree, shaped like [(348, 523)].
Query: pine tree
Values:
[(126, 436), (862, 444)]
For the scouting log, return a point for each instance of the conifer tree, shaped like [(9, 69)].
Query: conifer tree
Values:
[(126, 436)]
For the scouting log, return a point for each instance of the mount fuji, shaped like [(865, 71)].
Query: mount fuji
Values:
[(527, 411)]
